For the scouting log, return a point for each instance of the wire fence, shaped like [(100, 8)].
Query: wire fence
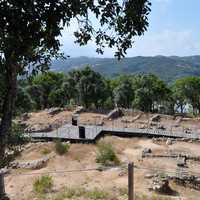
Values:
[(156, 170)]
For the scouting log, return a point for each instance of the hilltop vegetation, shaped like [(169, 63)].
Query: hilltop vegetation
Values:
[(90, 89), (167, 68)]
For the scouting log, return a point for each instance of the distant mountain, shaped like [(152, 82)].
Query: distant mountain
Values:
[(167, 68)]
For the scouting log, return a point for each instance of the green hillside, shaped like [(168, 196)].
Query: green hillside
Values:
[(167, 68)]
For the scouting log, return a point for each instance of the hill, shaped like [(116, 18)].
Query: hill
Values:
[(167, 68)]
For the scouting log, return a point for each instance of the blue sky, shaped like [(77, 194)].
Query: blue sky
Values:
[(174, 29)]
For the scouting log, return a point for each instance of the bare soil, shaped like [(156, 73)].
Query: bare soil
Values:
[(82, 156), (42, 119)]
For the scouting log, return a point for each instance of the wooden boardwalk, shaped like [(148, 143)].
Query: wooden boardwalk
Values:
[(92, 133)]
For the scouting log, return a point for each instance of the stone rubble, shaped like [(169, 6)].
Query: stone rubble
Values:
[(35, 164)]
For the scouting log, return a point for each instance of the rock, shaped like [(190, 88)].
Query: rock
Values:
[(122, 173), (155, 118), (4, 171), (161, 127), (149, 176), (181, 162), (39, 128), (142, 126), (161, 185), (79, 110), (115, 114), (188, 130), (35, 164), (101, 123), (26, 116), (169, 141), (146, 151), (54, 111)]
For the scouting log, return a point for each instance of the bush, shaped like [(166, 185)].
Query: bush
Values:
[(97, 194), (106, 155), (46, 151), (43, 184), (76, 193), (61, 148)]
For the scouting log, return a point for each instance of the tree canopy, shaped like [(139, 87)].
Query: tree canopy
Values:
[(90, 89), (29, 32)]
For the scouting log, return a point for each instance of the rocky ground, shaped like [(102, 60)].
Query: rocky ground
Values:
[(51, 119), (154, 158), (82, 156)]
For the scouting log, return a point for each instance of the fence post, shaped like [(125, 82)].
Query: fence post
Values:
[(130, 181), (2, 186)]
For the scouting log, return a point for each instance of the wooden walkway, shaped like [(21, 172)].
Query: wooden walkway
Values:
[(92, 133)]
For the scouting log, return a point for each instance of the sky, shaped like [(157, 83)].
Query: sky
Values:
[(174, 28)]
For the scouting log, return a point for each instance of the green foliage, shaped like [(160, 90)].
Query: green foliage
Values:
[(14, 142), (61, 148), (50, 84), (106, 155), (75, 193), (89, 85), (43, 185), (90, 89), (187, 90), (46, 151), (166, 68), (123, 93), (150, 91), (96, 194), (24, 102)]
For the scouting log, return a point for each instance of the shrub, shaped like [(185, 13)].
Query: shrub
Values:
[(106, 155), (46, 151), (76, 193), (43, 184), (61, 148), (96, 194)]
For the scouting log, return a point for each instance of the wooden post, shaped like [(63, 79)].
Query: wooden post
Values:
[(2, 186), (130, 181)]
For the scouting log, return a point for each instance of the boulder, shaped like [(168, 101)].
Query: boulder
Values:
[(4, 171), (39, 128), (117, 112), (146, 151), (181, 162), (161, 127), (35, 164), (26, 116), (155, 118), (149, 176), (161, 185), (53, 111), (79, 110), (169, 141)]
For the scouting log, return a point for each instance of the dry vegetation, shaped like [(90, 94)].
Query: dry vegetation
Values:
[(112, 182), (42, 120)]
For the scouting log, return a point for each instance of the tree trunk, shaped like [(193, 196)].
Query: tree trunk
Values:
[(8, 106)]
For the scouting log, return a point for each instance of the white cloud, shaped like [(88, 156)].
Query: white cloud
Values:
[(167, 42)]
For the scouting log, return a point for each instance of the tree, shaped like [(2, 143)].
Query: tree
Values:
[(89, 86), (29, 31), (187, 91), (48, 83), (123, 93), (150, 91), (179, 95), (23, 103)]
